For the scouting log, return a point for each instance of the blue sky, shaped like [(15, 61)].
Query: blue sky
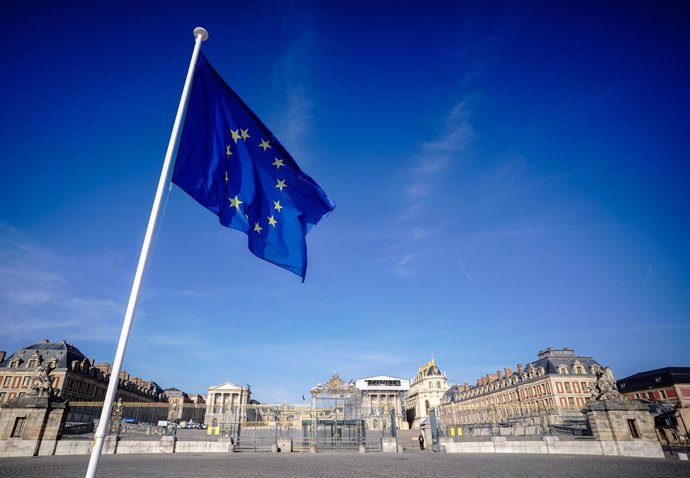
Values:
[(507, 176)]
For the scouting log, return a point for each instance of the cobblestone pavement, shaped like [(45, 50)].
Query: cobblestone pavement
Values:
[(348, 465)]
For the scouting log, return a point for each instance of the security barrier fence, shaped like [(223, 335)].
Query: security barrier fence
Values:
[(260, 427), (526, 424)]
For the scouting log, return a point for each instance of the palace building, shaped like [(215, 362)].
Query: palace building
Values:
[(426, 391), (557, 383), (382, 396), (669, 385), (227, 404), (74, 377)]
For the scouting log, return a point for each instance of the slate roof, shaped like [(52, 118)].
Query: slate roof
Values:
[(660, 377), (551, 359), (61, 351)]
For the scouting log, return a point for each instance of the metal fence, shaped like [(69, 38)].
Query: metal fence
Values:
[(332, 429), (527, 425)]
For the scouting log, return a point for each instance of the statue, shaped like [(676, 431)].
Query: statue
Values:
[(42, 382), (605, 386), (116, 418), (172, 411)]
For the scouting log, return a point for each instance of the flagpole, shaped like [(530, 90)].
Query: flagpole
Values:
[(200, 35)]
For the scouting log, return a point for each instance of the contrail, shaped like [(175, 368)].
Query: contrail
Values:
[(476, 287), (644, 282)]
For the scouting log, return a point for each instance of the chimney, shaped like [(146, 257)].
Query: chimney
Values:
[(479, 382), (498, 373), (508, 371), (2, 355), (520, 368)]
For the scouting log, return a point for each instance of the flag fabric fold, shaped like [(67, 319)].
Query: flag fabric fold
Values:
[(231, 163)]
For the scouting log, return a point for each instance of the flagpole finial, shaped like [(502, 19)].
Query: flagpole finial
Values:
[(201, 31)]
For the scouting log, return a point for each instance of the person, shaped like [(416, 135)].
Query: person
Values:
[(421, 441)]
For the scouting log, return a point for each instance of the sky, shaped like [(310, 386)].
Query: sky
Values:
[(508, 176)]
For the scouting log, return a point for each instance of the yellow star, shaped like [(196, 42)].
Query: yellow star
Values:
[(228, 153), (245, 133), (272, 221), (264, 144), (234, 202), (235, 134), (278, 163), (277, 206), (281, 184), (257, 228)]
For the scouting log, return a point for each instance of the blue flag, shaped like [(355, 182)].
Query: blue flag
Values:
[(231, 163)]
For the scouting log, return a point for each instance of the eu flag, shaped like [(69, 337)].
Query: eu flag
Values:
[(231, 163)]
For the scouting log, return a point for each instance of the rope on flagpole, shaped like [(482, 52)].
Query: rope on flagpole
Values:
[(200, 35)]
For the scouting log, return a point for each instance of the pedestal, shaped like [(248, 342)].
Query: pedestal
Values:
[(623, 427), (31, 426)]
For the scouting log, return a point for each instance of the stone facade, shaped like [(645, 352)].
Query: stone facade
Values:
[(558, 383), (381, 395), (31, 426), (183, 408), (624, 427), (227, 404), (74, 376), (427, 389), (670, 387)]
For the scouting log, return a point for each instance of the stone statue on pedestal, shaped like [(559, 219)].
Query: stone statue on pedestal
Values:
[(42, 382), (605, 386)]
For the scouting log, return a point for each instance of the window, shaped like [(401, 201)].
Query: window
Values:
[(633, 428), (25, 382), (18, 427), (7, 381), (31, 364), (2, 396), (585, 387), (567, 387), (663, 394), (571, 402)]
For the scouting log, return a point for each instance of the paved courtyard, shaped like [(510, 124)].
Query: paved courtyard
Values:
[(338, 465)]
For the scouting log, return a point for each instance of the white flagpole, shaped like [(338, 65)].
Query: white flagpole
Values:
[(200, 35)]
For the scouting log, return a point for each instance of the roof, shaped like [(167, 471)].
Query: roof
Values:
[(552, 358), (61, 351), (227, 386), (382, 382), (429, 369), (659, 377)]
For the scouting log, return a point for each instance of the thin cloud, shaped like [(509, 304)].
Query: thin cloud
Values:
[(292, 72), (45, 294), (435, 157)]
